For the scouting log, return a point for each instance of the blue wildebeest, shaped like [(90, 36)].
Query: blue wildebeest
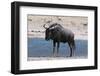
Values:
[(58, 34)]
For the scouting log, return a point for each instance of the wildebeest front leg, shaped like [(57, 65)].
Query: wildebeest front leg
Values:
[(58, 48), (54, 45)]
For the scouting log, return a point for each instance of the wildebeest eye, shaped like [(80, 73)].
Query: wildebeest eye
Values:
[(57, 30)]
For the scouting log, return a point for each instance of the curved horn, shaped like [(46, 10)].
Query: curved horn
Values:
[(44, 26), (52, 27)]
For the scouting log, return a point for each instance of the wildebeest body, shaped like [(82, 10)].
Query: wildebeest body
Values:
[(59, 34)]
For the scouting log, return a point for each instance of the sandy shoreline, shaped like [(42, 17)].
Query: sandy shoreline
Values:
[(55, 58), (77, 37)]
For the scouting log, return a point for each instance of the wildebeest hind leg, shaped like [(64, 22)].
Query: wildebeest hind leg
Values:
[(70, 49)]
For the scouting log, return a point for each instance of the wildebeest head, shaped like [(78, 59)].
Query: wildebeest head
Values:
[(48, 33), (51, 31)]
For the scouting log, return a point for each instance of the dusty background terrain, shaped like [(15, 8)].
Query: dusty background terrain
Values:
[(78, 25)]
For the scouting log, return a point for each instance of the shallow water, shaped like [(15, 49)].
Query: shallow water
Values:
[(39, 47)]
